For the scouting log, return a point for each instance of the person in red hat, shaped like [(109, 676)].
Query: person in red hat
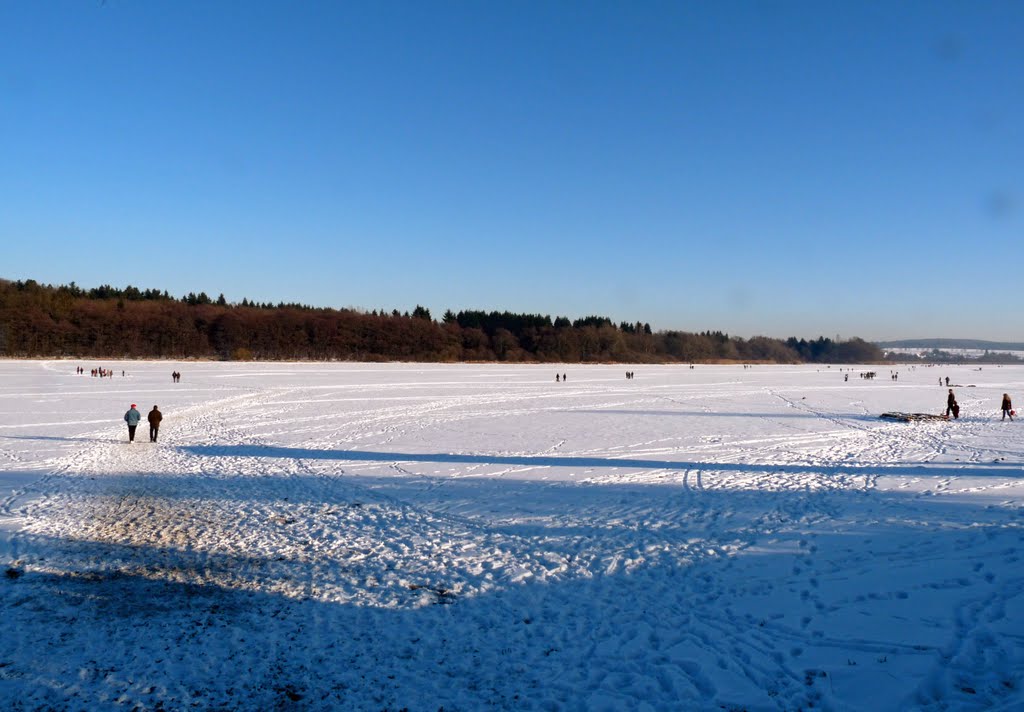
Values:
[(132, 417)]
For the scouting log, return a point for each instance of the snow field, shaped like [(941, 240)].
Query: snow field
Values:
[(350, 536)]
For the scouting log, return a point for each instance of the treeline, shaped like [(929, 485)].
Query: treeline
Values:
[(50, 321), (947, 357)]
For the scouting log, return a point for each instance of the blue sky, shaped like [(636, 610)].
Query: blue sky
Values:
[(776, 168)]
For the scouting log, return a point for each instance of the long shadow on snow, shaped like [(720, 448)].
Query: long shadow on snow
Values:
[(915, 470), (94, 623), (90, 637), (723, 414), (66, 439)]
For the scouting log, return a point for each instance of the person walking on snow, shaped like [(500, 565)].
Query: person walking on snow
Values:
[(154, 417), (132, 417), (950, 402), (1007, 407)]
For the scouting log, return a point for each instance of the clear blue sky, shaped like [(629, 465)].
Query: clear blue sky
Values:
[(777, 168)]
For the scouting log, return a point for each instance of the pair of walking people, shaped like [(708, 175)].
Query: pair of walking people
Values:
[(132, 417), (953, 407)]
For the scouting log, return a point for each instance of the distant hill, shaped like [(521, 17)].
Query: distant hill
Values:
[(951, 344)]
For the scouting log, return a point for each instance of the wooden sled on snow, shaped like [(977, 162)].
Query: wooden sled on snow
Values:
[(911, 417)]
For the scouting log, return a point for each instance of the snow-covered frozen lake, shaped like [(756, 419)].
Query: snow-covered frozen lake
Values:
[(466, 537)]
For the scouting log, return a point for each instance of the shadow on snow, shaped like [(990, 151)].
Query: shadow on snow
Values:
[(995, 469), (213, 630)]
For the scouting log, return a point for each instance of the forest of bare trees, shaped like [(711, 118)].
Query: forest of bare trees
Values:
[(39, 320)]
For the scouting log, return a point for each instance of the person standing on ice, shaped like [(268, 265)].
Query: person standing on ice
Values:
[(154, 418), (1007, 407), (951, 406), (132, 417)]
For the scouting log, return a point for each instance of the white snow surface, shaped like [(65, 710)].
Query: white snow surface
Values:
[(472, 537)]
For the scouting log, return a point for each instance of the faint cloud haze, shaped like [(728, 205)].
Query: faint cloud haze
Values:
[(1000, 205)]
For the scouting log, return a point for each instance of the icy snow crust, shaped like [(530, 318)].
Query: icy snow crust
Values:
[(370, 537)]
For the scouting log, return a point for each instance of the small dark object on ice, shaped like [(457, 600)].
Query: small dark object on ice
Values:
[(12, 573), (444, 596), (910, 417), (291, 693)]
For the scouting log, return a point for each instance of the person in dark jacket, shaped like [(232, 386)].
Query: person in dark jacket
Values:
[(132, 417), (950, 402), (1007, 407), (154, 417)]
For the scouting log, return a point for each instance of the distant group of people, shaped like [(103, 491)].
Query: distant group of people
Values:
[(175, 377), (132, 417), (562, 378), (97, 372), (629, 375)]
